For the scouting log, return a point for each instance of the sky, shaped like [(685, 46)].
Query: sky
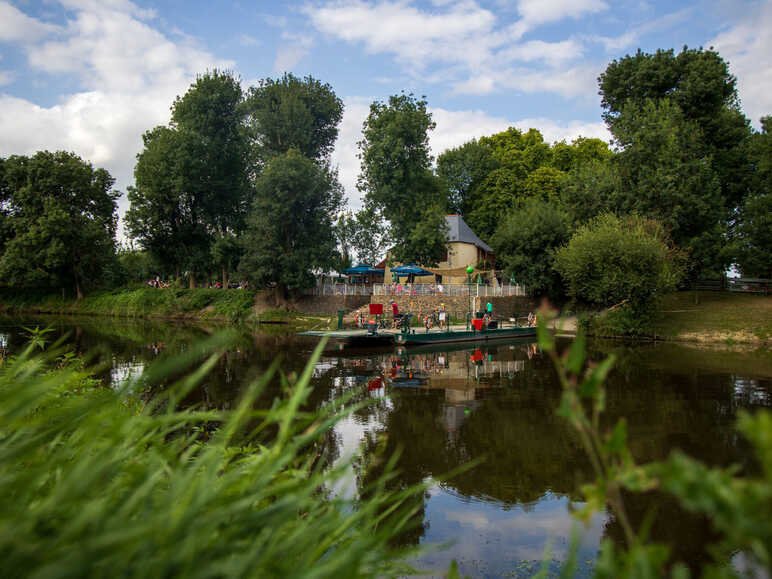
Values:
[(91, 76)]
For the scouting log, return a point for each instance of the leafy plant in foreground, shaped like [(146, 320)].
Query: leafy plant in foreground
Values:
[(98, 485)]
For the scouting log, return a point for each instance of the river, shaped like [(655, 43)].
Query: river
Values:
[(445, 407)]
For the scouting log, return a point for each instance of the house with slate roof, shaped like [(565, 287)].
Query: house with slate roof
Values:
[(464, 248)]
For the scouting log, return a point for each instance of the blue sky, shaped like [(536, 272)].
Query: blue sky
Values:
[(92, 75)]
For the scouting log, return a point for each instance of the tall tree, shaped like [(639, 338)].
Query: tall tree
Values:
[(290, 230), (666, 173), (57, 221), (293, 113), (698, 83), (191, 179), (755, 230), (397, 179)]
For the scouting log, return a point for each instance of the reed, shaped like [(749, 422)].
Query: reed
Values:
[(96, 482)]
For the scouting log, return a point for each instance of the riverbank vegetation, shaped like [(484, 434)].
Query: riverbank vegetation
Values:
[(97, 479), (241, 183)]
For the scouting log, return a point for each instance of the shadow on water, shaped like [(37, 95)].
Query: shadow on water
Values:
[(443, 408)]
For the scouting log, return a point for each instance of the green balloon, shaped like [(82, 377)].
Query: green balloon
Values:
[(470, 270)]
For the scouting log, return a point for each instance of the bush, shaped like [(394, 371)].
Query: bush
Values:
[(619, 261)]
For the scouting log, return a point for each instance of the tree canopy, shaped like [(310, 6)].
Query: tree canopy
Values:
[(191, 178), (57, 221), (526, 241), (292, 113), (290, 230), (397, 179)]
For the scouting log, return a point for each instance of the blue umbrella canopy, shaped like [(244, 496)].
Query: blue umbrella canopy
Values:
[(363, 269), (410, 270)]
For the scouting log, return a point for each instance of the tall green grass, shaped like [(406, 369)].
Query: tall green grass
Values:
[(102, 483)]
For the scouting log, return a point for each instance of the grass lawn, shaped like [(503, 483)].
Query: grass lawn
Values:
[(716, 317)]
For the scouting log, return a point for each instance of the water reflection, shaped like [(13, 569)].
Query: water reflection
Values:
[(446, 408)]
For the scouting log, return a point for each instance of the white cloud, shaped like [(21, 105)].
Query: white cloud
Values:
[(130, 74), (345, 153), (17, 26), (553, 53), (572, 82), (294, 49), (747, 46), (537, 12), (460, 42)]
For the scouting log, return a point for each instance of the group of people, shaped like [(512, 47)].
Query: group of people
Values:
[(231, 285), (160, 284), (157, 283)]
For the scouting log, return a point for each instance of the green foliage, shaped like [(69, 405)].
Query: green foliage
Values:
[(371, 236), (290, 229), (590, 189), (57, 221), (755, 229), (191, 177), (292, 113), (95, 480), (462, 170), (526, 242), (426, 242), (494, 176), (667, 174), (619, 259), (396, 174), (740, 508), (136, 265), (678, 120)]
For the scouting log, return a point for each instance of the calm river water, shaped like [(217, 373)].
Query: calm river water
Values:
[(447, 406)]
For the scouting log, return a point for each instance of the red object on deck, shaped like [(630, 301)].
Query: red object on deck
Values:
[(376, 309), (478, 324)]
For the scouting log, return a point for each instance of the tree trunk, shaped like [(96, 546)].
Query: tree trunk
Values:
[(224, 277), (78, 290), (192, 281)]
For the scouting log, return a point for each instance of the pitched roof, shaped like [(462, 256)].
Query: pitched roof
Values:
[(458, 230)]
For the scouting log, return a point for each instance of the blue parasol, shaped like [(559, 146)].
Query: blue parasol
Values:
[(363, 269), (411, 269)]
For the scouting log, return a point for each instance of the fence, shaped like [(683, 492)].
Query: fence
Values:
[(340, 289), (735, 284), (459, 289)]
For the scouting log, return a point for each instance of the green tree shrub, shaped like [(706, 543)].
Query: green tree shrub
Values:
[(620, 261), (525, 245)]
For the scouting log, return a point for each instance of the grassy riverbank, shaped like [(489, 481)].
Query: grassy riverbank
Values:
[(196, 304), (715, 317), (138, 302)]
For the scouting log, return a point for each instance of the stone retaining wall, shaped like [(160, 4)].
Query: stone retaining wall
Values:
[(313, 305)]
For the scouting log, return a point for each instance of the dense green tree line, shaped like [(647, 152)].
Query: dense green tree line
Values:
[(241, 182)]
